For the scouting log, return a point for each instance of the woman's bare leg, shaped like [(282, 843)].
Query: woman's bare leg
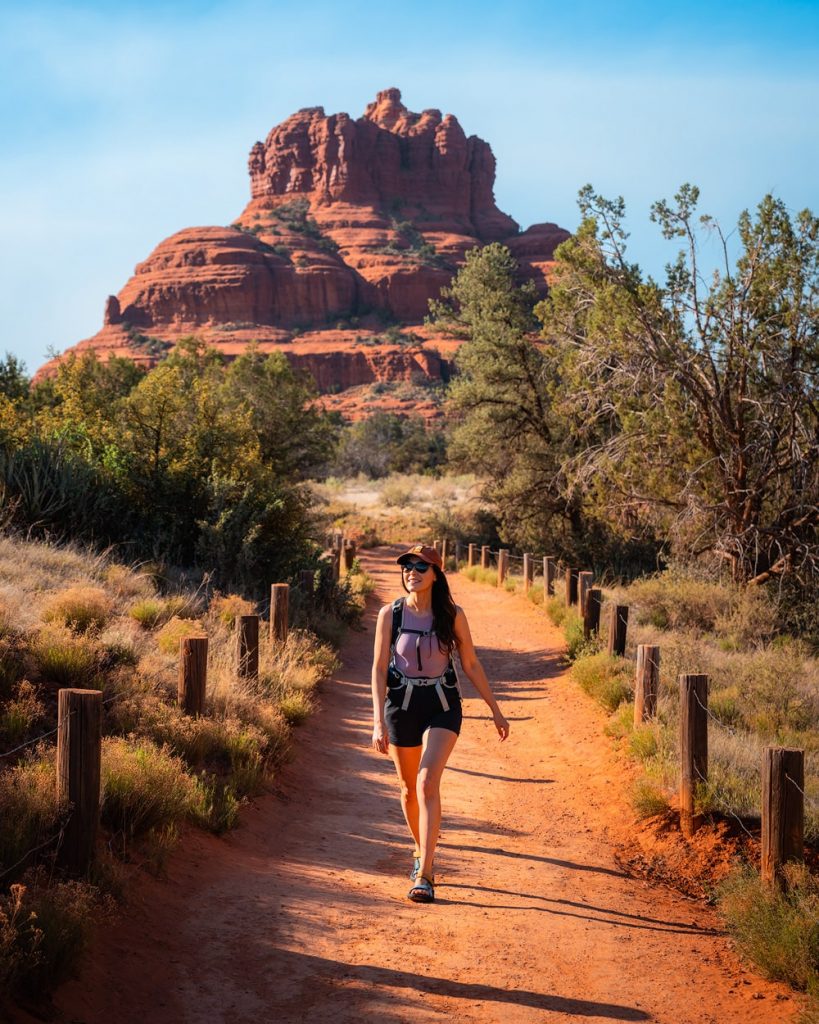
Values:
[(406, 761), (438, 745)]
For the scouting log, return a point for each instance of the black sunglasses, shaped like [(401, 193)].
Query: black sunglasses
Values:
[(418, 566)]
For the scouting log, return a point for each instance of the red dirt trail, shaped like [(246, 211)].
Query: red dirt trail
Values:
[(301, 913)]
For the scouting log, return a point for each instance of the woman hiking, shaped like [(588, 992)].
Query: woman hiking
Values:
[(417, 697)]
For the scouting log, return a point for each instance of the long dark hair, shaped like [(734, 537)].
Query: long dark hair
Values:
[(443, 611)]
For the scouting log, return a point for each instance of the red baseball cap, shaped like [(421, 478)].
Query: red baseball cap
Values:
[(424, 553)]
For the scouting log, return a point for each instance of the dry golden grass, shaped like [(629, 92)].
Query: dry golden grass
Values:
[(79, 608), (228, 607), (168, 637), (68, 618)]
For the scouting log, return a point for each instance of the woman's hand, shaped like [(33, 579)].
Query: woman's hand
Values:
[(380, 740), (500, 724)]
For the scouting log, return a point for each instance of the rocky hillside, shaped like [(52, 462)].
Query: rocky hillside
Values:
[(352, 226)]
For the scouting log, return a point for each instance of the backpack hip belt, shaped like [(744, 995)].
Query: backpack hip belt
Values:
[(412, 682)]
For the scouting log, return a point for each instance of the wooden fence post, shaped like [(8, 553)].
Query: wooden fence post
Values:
[(591, 612), (646, 682), (335, 564), (307, 582), (471, 556), (503, 565), (437, 545), (618, 624), (584, 582), (693, 746), (484, 556), (528, 572), (247, 646), (444, 551), (459, 554), (79, 749), (348, 556), (279, 611), (571, 587), (548, 576), (783, 811), (193, 674)]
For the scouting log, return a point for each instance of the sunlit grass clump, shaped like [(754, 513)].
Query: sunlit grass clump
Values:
[(79, 608), (776, 930), (177, 629), (144, 787), (606, 678), (65, 657)]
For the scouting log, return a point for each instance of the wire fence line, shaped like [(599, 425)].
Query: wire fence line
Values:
[(45, 735), (536, 567), (733, 814), (510, 554), (739, 734), (46, 842), (57, 835), (713, 717)]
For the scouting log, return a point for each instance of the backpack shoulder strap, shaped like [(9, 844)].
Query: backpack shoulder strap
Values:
[(397, 619)]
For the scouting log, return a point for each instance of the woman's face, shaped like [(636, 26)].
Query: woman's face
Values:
[(416, 582)]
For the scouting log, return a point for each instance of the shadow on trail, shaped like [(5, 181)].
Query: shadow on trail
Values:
[(509, 718), (638, 921), (521, 666), (489, 775), (337, 980), (498, 851)]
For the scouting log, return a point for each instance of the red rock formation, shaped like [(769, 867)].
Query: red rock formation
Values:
[(351, 222)]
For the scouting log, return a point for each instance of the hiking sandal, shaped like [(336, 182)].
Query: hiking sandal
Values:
[(416, 867), (423, 890)]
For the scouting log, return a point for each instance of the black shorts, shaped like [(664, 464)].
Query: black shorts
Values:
[(407, 728)]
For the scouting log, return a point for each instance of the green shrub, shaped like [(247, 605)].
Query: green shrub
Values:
[(28, 808), (643, 742), (12, 664), (148, 612), (576, 643), (21, 714), (479, 575), (724, 705), (79, 608), (215, 806), (647, 798), (228, 607), (44, 932), (66, 658), (395, 494), (675, 599), (144, 787), (771, 691), (177, 629), (556, 609), (246, 750), (295, 708), (621, 723), (776, 930), (604, 677)]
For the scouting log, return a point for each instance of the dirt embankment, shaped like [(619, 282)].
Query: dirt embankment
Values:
[(301, 914)]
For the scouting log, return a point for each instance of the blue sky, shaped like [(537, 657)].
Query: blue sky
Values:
[(123, 122)]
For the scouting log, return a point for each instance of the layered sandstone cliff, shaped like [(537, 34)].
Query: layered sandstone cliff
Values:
[(352, 226)]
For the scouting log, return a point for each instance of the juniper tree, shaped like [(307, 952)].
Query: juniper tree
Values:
[(697, 397)]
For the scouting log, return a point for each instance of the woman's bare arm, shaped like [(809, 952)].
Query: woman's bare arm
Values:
[(381, 657), (469, 660)]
